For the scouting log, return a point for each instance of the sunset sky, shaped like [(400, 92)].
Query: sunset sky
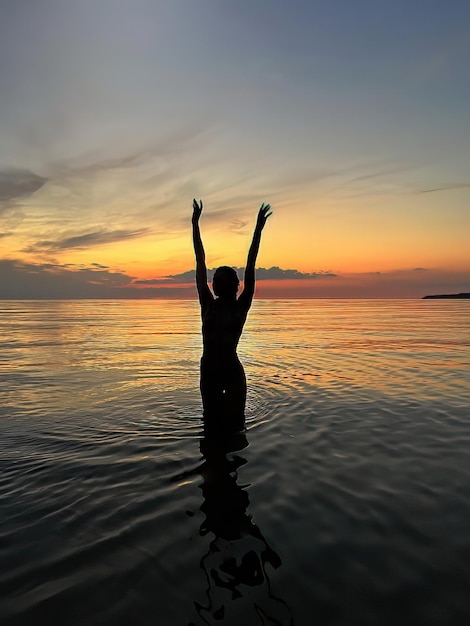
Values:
[(351, 118)]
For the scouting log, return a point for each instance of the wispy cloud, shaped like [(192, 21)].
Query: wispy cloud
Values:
[(169, 147), (238, 226), (86, 240), (382, 173), (447, 187), (16, 186), (18, 183)]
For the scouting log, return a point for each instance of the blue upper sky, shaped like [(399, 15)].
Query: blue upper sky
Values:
[(119, 111), (369, 79)]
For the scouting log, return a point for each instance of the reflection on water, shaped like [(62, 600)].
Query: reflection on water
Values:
[(239, 557), (237, 562), (356, 476)]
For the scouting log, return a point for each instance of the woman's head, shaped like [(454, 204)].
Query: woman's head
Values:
[(225, 282)]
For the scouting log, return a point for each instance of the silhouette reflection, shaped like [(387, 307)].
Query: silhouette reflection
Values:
[(236, 565)]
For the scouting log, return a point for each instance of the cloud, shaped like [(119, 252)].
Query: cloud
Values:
[(87, 240), (448, 187), (21, 280), (238, 226), (372, 178), (276, 273), (92, 163), (18, 183), (163, 149), (216, 218), (98, 265), (379, 174), (399, 283), (44, 281), (262, 273)]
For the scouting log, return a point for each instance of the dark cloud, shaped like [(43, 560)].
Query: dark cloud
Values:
[(19, 280), (24, 281), (18, 183), (420, 269), (159, 281), (276, 273), (87, 240), (262, 273), (47, 280), (103, 267)]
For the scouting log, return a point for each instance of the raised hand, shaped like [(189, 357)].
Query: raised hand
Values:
[(197, 210), (263, 214)]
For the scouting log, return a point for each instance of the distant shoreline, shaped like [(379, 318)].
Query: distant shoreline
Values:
[(448, 295)]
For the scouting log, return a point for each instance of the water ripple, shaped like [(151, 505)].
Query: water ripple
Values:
[(347, 502)]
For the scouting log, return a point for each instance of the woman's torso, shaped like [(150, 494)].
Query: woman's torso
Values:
[(222, 325)]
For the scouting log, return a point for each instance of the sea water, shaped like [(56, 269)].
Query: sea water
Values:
[(345, 502)]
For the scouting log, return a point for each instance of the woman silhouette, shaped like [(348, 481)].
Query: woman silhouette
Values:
[(223, 382)]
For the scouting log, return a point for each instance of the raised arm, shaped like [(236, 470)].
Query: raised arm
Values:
[(246, 296), (203, 290)]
